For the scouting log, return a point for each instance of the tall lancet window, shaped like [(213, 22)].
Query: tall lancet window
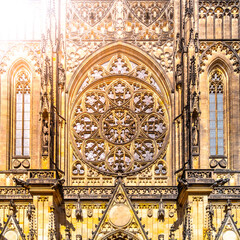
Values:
[(22, 137), (216, 113)]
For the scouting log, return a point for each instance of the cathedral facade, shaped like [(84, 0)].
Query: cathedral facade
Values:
[(120, 120)]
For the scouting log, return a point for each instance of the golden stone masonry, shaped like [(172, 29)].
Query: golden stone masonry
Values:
[(119, 120)]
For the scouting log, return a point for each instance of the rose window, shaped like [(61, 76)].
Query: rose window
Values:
[(119, 125)]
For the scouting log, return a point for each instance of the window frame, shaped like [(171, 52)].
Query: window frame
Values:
[(224, 111), (21, 69)]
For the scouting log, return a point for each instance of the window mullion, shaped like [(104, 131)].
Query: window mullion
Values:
[(23, 122), (216, 119), (22, 125)]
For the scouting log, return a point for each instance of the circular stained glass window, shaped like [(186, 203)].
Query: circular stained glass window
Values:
[(119, 125)]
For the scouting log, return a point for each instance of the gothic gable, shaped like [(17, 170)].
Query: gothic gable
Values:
[(120, 220), (11, 229), (228, 228)]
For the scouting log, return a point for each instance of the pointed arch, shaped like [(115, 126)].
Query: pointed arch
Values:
[(216, 112), (219, 95), (20, 76), (20, 53), (118, 48), (224, 50), (121, 69)]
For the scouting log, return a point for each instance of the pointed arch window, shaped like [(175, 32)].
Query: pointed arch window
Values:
[(22, 128), (216, 110)]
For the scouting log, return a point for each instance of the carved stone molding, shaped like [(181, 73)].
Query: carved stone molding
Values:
[(42, 174), (229, 49), (121, 124), (133, 192), (29, 51), (14, 193), (199, 174), (225, 193)]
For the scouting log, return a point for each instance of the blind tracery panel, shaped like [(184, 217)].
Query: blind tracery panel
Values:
[(22, 136), (119, 125), (216, 113)]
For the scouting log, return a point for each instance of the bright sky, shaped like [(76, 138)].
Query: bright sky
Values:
[(20, 19)]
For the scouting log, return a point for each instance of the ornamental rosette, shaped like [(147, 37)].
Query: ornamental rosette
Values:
[(119, 124)]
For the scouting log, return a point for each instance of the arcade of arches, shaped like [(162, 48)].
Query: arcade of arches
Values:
[(119, 119)]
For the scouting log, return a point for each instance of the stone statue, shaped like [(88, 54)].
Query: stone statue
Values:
[(194, 135), (45, 133)]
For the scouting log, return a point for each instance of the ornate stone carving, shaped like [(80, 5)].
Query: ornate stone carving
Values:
[(41, 174), (32, 222), (128, 133), (198, 174), (187, 229), (78, 168), (221, 16), (46, 100), (133, 191), (11, 228), (28, 51), (52, 233), (62, 76), (119, 217), (220, 161), (119, 64), (150, 212), (161, 211), (228, 228), (148, 25), (78, 211), (229, 49), (43, 199), (90, 212), (15, 192), (220, 182), (210, 227), (226, 192)]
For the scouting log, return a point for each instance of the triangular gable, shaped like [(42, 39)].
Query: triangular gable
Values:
[(12, 230), (228, 228), (119, 219)]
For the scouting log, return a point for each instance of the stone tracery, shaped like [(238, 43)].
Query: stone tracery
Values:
[(145, 24), (130, 135), (116, 113)]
